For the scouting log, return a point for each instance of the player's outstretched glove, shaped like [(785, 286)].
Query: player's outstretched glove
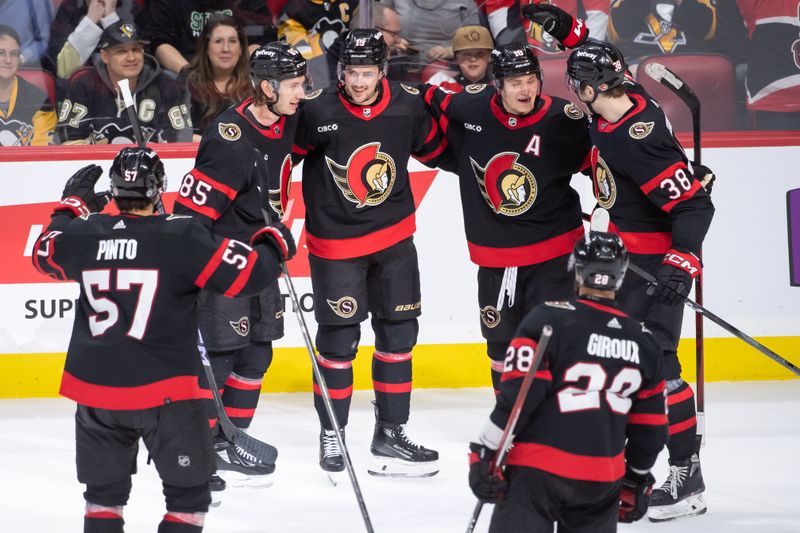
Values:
[(674, 277), (79, 197), (704, 175), (635, 495), (279, 237), (569, 31), (484, 484)]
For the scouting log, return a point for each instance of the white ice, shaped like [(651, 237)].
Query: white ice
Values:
[(751, 465)]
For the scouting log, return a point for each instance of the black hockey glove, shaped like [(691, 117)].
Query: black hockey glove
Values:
[(569, 31), (279, 237), (704, 175), (79, 198), (635, 495), (487, 487), (674, 277)]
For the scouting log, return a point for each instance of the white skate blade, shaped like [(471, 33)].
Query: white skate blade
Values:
[(333, 478), (393, 467), (691, 506), (237, 479)]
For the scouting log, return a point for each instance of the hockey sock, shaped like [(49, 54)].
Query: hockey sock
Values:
[(497, 373), (338, 377), (391, 379), (243, 383), (102, 519), (182, 523), (682, 420)]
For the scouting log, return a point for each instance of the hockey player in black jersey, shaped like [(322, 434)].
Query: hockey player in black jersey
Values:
[(356, 139), (662, 210), (594, 419), (132, 364), (516, 150), (225, 192)]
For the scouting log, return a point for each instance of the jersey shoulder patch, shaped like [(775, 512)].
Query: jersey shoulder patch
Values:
[(177, 217), (229, 131), (640, 130), (409, 89), (313, 94), (475, 88), (561, 305), (572, 111)]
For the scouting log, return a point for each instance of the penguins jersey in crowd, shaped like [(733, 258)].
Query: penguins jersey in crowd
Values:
[(311, 26), (29, 119), (134, 343), (773, 70), (224, 172), (355, 174), (641, 177), (514, 174), (93, 111), (599, 383)]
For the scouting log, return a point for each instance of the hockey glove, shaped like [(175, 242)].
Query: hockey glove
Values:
[(704, 175), (635, 495), (569, 31), (279, 237), (674, 277), (79, 198), (484, 484)]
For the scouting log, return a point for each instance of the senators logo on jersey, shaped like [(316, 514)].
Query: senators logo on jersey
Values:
[(605, 189), (508, 187), (345, 307), (278, 198), (367, 178)]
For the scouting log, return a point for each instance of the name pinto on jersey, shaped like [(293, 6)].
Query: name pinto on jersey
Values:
[(611, 348), (113, 249)]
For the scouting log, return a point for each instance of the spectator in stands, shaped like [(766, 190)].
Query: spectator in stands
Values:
[(472, 46), (312, 26), (26, 113), (173, 26), (77, 28), (773, 70), (218, 76), (31, 20), (429, 25), (506, 24), (93, 111)]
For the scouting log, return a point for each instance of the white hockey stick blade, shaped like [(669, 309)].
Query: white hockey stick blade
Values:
[(662, 74), (125, 89), (600, 220)]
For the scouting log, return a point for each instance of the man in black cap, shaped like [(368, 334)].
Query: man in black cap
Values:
[(93, 112)]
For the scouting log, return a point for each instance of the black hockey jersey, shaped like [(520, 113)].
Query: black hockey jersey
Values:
[(224, 189), (355, 177), (641, 177), (93, 111), (133, 342), (599, 383), (29, 119), (514, 174)]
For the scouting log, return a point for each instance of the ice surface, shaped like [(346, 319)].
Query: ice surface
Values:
[(751, 466)]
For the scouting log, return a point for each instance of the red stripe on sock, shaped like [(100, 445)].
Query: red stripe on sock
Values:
[(394, 388), (336, 394), (679, 397), (682, 426)]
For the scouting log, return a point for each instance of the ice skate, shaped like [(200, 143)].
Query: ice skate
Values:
[(240, 469), (331, 458), (395, 455), (216, 485), (681, 494)]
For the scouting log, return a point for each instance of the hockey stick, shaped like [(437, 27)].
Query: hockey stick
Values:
[(323, 387), (265, 453), (671, 81), (496, 465)]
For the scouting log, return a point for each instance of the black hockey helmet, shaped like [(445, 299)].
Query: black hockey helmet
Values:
[(276, 61), (514, 59), (600, 65), (599, 260), (137, 173), (365, 47)]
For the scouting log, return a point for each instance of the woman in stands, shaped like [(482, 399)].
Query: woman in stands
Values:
[(218, 76)]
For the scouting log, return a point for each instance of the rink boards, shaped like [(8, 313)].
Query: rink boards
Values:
[(746, 254)]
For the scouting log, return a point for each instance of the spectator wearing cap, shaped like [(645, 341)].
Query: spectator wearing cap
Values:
[(26, 113), (472, 46), (93, 111)]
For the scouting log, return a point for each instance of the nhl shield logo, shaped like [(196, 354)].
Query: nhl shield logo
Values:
[(490, 316), (345, 307), (605, 189), (640, 130), (367, 111), (512, 121), (229, 132), (367, 178), (184, 461), (507, 186), (241, 326)]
